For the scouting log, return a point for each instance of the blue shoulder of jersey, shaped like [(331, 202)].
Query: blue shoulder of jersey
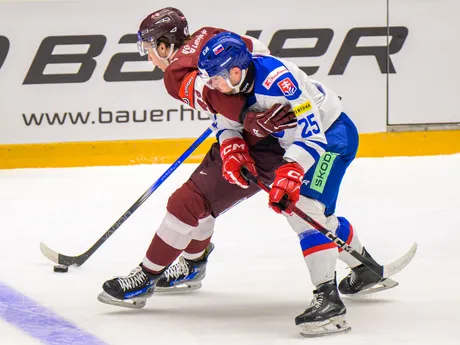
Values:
[(273, 78)]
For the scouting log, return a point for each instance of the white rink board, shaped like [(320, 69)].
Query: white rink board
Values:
[(25, 91), (88, 18), (426, 86)]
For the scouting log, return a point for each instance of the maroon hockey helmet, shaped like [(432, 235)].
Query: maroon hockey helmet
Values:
[(168, 22)]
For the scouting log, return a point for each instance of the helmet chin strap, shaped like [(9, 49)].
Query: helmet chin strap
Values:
[(237, 87), (165, 59), (247, 80)]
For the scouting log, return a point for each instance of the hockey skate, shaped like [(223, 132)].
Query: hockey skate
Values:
[(326, 314), (362, 280), (131, 291), (185, 275)]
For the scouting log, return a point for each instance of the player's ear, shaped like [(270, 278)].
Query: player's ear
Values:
[(235, 72), (161, 47)]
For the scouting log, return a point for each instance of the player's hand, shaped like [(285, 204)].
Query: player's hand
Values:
[(235, 156), (288, 179), (276, 119)]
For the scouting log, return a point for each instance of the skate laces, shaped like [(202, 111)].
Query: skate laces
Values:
[(352, 278), (317, 300), (135, 278), (178, 269)]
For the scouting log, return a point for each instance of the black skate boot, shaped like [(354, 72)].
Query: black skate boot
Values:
[(326, 314), (131, 291), (185, 275), (362, 280)]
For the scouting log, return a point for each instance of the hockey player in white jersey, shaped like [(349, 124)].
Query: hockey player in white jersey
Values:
[(318, 152)]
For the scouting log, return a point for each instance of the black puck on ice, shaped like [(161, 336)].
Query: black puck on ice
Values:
[(60, 269)]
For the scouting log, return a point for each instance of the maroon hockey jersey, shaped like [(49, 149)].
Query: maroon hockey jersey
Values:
[(182, 82)]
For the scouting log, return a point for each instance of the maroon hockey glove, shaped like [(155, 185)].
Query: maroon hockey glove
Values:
[(235, 155), (276, 119), (288, 179)]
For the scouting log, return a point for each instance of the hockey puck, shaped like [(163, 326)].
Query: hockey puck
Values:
[(60, 269)]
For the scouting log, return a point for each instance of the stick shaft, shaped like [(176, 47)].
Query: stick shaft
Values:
[(377, 269), (80, 259)]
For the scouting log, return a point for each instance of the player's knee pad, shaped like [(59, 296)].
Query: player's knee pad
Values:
[(311, 207), (174, 232), (205, 229), (347, 233), (344, 229), (201, 237), (188, 204)]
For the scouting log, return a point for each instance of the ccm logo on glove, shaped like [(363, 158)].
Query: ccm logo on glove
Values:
[(288, 179), (234, 147), (235, 156), (294, 174)]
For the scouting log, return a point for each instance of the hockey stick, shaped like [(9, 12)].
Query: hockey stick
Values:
[(384, 271), (80, 259)]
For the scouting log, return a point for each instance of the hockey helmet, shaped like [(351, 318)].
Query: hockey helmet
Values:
[(220, 54), (168, 22)]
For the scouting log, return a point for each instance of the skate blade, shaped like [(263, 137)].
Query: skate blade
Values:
[(334, 325), (385, 284), (178, 289), (134, 303)]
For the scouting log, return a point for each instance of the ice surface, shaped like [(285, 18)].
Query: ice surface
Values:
[(257, 280)]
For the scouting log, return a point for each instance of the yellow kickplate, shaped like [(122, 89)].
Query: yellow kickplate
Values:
[(77, 154)]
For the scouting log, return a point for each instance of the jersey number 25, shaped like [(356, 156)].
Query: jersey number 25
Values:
[(310, 126)]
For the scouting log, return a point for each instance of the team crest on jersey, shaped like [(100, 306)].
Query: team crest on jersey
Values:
[(287, 86), (275, 74), (218, 49)]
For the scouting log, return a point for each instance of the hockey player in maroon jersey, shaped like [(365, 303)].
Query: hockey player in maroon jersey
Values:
[(215, 185)]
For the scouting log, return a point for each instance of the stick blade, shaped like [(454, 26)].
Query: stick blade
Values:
[(397, 265), (49, 253)]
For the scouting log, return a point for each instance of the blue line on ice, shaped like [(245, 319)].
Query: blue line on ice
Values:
[(40, 322)]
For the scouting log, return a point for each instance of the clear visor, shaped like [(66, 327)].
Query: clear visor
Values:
[(144, 47), (222, 78)]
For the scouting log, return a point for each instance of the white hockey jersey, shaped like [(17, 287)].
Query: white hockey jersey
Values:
[(315, 106)]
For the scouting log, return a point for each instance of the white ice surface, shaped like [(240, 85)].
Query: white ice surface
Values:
[(257, 280), (10, 335)]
